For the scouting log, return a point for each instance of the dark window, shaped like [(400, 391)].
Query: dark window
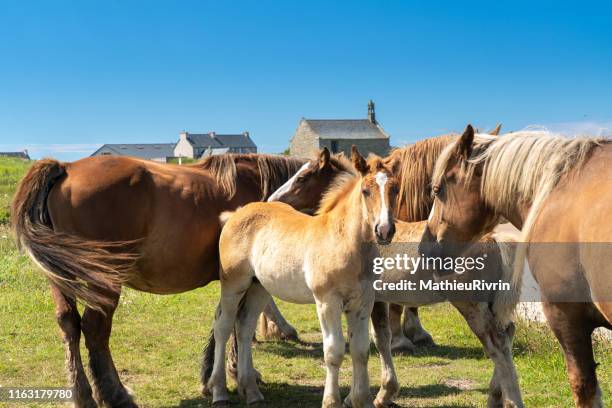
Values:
[(334, 146)]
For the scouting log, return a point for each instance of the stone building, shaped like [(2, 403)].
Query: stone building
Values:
[(338, 135)]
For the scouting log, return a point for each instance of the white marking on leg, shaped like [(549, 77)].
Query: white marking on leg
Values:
[(383, 218), (278, 194)]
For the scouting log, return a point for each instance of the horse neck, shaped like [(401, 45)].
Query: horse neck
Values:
[(349, 218), (257, 182)]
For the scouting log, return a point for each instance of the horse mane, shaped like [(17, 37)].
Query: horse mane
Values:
[(273, 170), (343, 184), (340, 161), (521, 167), (417, 163)]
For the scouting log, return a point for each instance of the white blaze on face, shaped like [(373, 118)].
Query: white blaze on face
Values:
[(431, 213), (278, 194), (383, 218)]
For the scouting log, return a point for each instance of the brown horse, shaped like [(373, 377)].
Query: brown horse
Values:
[(557, 190), (100, 223), (415, 165), (489, 319)]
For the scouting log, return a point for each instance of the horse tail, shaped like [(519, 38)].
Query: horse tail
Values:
[(208, 355), (85, 269), (505, 301)]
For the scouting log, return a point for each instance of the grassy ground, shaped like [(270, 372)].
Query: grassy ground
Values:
[(157, 341), (11, 171)]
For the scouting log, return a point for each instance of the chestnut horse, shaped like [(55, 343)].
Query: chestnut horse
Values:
[(557, 190), (489, 319), (414, 164), (103, 222), (270, 248)]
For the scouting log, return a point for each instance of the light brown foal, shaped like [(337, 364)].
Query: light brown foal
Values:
[(270, 248)]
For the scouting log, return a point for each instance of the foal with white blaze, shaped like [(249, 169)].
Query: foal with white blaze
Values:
[(270, 248)]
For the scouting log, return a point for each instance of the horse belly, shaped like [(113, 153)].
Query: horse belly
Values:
[(285, 280)]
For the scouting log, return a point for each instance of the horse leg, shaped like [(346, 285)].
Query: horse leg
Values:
[(108, 388), (273, 325), (495, 398), (389, 386), (498, 346), (569, 327), (330, 319), (224, 323), (399, 342), (413, 328), (255, 300), (69, 322), (359, 342)]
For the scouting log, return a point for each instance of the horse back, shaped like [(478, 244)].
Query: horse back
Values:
[(172, 210), (573, 234)]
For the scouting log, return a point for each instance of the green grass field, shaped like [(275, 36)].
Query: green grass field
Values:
[(11, 170), (157, 343)]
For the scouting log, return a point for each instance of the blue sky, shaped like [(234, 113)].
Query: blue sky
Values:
[(74, 75)]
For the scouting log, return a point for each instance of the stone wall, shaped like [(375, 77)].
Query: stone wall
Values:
[(365, 146), (304, 142)]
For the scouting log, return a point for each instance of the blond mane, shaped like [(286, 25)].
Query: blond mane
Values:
[(343, 184), (417, 163), (273, 170), (521, 167)]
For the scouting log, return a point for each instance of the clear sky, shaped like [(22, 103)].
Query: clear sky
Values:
[(74, 75)]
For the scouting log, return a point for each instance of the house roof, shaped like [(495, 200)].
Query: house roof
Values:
[(20, 155), (219, 141), (346, 129), (141, 150)]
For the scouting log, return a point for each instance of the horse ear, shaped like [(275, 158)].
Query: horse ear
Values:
[(464, 144), (495, 132), (324, 158), (395, 166), (358, 161)]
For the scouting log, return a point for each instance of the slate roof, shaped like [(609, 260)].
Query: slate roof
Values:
[(19, 155), (141, 150), (220, 141), (346, 129)]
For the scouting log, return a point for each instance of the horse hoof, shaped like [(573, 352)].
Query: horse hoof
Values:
[(424, 341), (403, 348), (220, 404), (382, 404), (292, 336), (257, 404)]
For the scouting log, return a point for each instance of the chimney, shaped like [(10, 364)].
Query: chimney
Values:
[(183, 135), (212, 134), (371, 112), (245, 134)]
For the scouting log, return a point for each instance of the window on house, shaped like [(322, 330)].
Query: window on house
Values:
[(334, 146)]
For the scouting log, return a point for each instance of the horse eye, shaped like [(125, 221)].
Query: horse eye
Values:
[(300, 179), (365, 192), (436, 190)]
